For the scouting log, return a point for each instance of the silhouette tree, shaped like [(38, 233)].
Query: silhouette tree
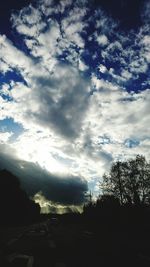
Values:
[(129, 181), (15, 206), (89, 203), (108, 202)]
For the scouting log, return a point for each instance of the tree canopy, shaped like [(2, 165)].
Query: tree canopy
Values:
[(129, 181)]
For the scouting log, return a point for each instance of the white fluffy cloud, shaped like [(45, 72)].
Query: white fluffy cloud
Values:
[(102, 40), (4, 137)]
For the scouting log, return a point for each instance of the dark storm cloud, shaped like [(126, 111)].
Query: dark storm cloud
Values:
[(60, 189)]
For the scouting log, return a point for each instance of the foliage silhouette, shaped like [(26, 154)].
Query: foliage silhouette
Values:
[(125, 201), (15, 206), (129, 181)]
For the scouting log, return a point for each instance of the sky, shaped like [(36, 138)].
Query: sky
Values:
[(74, 93)]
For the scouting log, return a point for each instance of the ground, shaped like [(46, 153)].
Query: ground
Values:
[(62, 242)]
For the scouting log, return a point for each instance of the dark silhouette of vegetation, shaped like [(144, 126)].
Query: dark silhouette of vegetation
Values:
[(129, 181), (125, 198), (15, 206)]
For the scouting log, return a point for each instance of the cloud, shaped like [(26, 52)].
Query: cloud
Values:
[(102, 40), (67, 189), (60, 105), (48, 206), (64, 110), (102, 68), (4, 68), (63, 98), (5, 136), (82, 65)]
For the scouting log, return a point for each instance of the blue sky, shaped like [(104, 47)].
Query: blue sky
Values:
[(74, 88)]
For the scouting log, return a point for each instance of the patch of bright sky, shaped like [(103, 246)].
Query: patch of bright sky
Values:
[(8, 125), (131, 143)]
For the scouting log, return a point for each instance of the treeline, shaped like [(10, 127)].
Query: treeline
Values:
[(15, 205), (125, 196)]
